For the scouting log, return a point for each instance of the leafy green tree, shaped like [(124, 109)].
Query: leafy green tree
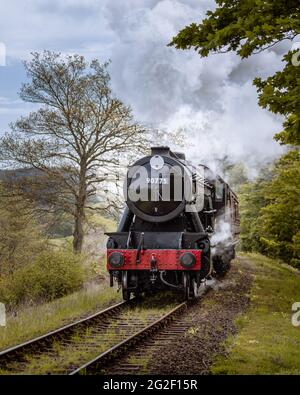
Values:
[(270, 211), (249, 27), (281, 95), (252, 199), (281, 216), (21, 239)]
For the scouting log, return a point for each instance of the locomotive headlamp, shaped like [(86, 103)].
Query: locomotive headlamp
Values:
[(187, 260), (157, 162), (116, 259)]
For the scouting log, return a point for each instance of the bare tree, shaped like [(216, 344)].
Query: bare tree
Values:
[(74, 138)]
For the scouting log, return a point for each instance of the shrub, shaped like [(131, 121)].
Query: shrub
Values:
[(21, 238), (51, 275)]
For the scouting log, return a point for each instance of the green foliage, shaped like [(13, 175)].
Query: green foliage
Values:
[(281, 216), (244, 26), (266, 342), (27, 322), (21, 239), (270, 211), (51, 275), (247, 27), (252, 199), (296, 247), (281, 95)]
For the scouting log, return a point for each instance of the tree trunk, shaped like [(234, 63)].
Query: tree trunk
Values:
[(79, 215), (78, 234)]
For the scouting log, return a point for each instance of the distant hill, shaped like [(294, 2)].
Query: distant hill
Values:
[(19, 173)]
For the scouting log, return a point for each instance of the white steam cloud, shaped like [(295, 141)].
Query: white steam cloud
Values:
[(212, 99), (223, 233)]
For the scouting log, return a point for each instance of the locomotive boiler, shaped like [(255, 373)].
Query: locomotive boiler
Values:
[(179, 227)]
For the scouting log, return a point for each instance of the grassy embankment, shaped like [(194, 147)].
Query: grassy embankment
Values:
[(36, 320), (26, 322), (267, 342)]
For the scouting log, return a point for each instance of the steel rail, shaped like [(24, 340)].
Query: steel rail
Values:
[(97, 363), (19, 350)]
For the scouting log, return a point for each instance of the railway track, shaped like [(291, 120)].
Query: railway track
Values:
[(93, 344), (142, 359), (14, 359), (117, 359), (85, 345), (99, 364)]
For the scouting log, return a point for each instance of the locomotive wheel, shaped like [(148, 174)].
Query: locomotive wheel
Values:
[(125, 294), (186, 285), (125, 291)]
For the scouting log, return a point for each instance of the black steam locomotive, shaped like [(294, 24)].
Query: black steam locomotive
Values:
[(180, 226)]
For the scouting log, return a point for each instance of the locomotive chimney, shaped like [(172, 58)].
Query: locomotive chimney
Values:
[(160, 151)]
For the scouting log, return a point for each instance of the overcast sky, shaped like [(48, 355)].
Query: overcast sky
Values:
[(212, 99)]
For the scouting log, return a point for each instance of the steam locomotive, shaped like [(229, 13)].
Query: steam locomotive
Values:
[(179, 227)]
